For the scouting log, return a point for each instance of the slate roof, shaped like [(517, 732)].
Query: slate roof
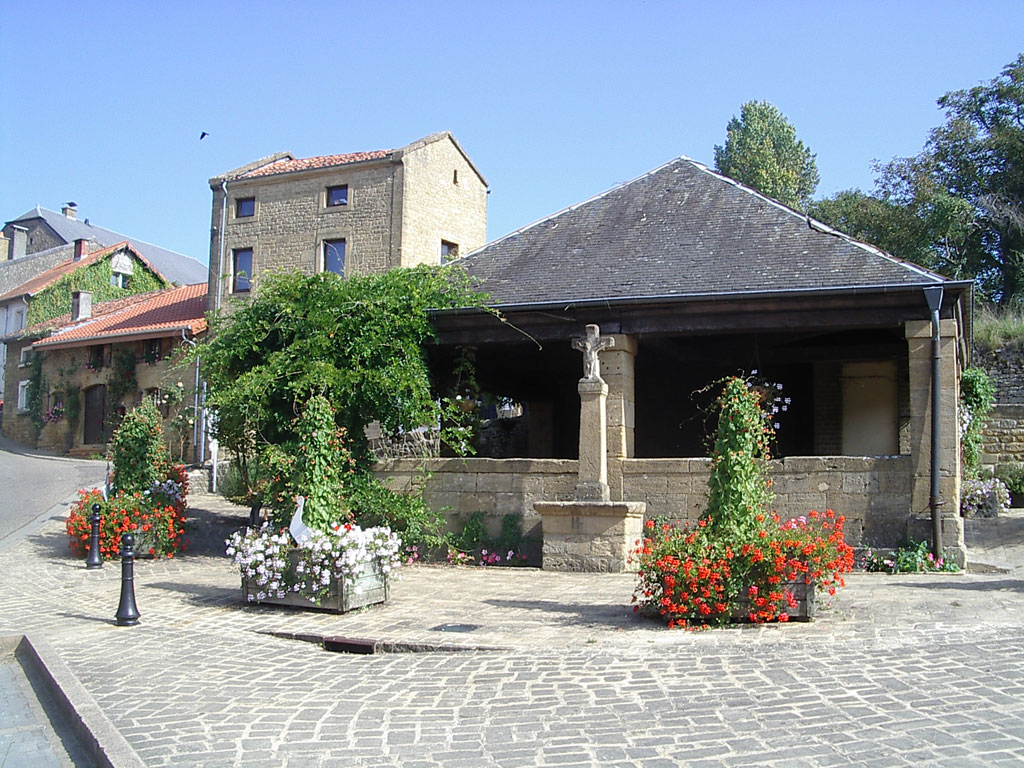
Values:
[(14, 272), (149, 315), (176, 267), (35, 284), (679, 231)]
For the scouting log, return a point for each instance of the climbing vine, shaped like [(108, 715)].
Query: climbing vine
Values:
[(122, 379), (55, 300), (36, 388)]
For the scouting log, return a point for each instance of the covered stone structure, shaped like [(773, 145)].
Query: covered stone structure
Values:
[(697, 277)]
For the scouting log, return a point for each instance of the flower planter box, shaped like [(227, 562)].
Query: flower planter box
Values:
[(805, 610), (370, 587)]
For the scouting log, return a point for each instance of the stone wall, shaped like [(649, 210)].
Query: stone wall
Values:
[(1003, 436), (292, 221), (443, 199), (873, 492)]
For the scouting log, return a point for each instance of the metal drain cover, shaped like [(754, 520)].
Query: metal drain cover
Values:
[(455, 628)]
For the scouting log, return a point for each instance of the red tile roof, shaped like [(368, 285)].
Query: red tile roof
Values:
[(43, 280), (324, 161), (150, 315)]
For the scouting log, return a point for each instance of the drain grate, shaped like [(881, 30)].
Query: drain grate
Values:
[(455, 628)]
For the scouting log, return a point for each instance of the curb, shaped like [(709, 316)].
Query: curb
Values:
[(98, 737), (60, 509)]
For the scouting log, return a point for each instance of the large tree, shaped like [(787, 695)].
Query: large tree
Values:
[(957, 206), (762, 151)]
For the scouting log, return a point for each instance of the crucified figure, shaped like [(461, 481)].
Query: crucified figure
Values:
[(590, 345)]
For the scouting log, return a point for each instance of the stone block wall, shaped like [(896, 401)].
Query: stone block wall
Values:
[(873, 493), (292, 221), (443, 199), (1003, 435)]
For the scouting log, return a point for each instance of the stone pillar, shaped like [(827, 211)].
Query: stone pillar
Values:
[(618, 368), (593, 472), (919, 360)]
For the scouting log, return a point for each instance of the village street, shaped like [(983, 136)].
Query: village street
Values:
[(535, 668)]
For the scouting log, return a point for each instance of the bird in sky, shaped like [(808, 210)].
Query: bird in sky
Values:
[(203, 135)]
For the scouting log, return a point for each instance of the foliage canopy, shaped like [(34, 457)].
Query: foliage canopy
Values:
[(358, 342), (762, 151)]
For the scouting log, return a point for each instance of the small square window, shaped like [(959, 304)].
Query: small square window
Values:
[(242, 270), (26, 356), (119, 280), (449, 251), (334, 256), (337, 195), (245, 207)]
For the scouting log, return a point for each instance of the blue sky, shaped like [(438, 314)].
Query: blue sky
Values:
[(103, 102)]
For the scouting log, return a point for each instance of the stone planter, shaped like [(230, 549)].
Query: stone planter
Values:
[(370, 587), (805, 610)]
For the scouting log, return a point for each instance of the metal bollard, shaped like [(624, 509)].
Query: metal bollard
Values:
[(95, 558), (127, 612)]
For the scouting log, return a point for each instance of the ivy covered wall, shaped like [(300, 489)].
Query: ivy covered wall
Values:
[(55, 300)]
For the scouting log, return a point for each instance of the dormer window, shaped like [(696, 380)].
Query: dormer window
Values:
[(120, 280), (337, 196)]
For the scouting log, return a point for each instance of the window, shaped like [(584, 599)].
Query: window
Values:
[(242, 270), (449, 251), (245, 207), (19, 319), (26, 356), (22, 395), (455, 176), (337, 195), (334, 256), (120, 280)]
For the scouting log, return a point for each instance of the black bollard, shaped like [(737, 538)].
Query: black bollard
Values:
[(127, 612), (95, 558)]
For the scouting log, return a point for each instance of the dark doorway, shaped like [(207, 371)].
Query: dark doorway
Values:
[(95, 411)]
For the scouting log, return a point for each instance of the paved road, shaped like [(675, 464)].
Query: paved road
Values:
[(31, 482), (904, 670)]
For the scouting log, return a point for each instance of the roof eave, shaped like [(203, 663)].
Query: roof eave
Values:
[(120, 335)]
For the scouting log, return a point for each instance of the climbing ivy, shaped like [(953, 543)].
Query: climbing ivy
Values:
[(36, 388), (55, 300), (122, 379)]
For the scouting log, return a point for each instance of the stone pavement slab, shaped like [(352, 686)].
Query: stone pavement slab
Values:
[(902, 670)]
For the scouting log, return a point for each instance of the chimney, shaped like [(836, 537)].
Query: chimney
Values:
[(81, 305), (81, 248), (19, 242), (70, 210)]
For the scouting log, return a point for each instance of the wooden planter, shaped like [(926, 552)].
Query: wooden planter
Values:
[(805, 610), (369, 588)]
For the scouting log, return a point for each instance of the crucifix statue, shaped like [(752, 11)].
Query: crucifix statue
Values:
[(590, 345)]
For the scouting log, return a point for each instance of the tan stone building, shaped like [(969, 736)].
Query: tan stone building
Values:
[(697, 278), (356, 213)]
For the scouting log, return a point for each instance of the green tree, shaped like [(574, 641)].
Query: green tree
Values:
[(137, 450), (762, 151), (358, 342), (957, 206)]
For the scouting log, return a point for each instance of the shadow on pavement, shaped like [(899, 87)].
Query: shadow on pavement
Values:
[(200, 594), (574, 613), (993, 585)]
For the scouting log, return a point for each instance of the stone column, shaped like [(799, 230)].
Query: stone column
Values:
[(593, 450), (919, 359), (618, 369)]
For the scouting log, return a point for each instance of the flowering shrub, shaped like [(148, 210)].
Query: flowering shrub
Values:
[(55, 414), (914, 558), (693, 575), (156, 518), (984, 498), (344, 552), (739, 551)]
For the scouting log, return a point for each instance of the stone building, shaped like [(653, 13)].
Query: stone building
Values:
[(41, 239), (355, 213), (108, 273), (697, 277), (93, 364)]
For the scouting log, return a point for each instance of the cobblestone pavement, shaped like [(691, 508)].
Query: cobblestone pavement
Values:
[(907, 670)]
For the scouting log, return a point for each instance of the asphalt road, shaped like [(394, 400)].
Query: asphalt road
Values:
[(32, 482)]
